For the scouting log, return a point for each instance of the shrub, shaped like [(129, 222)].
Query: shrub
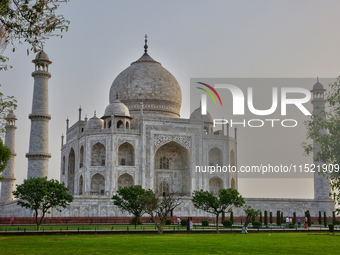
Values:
[(253, 218), (291, 225), (308, 219), (168, 222), (205, 223), (134, 219), (256, 224), (337, 222), (260, 217), (294, 218), (324, 219), (265, 218), (331, 227), (223, 216), (271, 217), (278, 218), (232, 217), (320, 218), (227, 223), (334, 219), (183, 222)]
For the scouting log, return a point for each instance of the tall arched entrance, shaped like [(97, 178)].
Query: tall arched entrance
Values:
[(171, 166), (70, 171)]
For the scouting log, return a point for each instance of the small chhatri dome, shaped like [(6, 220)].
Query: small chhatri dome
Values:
[(197, 115), (318, 85), (117, 108), (147, 81), (11, 116), (42, 56), (94, 123)]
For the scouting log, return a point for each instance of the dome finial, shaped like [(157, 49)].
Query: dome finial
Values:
[(95, 113), (317, 79), (146, 44)]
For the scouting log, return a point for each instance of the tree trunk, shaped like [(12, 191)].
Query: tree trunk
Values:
[(248, 220), (41, 219), (137, 217), (36, 220), (161, 226), (217, 229)]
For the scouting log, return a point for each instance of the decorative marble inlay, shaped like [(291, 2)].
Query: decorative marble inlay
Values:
[(162, 139)]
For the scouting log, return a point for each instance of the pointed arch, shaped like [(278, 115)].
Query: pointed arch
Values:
[(120, 124), (125, 180), (232, 158), (97, 185), (215, 157), (98, 155), (63, 167), (164, 163), (81, 185), (126, 155), (81, 157), (233, 183), (164, 186), (215, 184), (172, 164), (70, 171), (206, 130)]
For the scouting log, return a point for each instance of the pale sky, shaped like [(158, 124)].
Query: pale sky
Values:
[(213, 39)]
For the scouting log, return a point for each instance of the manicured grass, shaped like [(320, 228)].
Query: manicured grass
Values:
[(262, 243)]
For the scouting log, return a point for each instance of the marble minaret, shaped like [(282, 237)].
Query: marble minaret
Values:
[(321, 183), (38, 155), (7, 185)]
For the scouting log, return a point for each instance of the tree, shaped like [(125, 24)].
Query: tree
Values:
[(7, 105), (226, 200), (251, 212), (307, 214), (129, 199), (320, 220), (5, 154), (232, 216), (278, 218), (326, 147), (41, 195), (29, 21), (265, 218), (271, 217), (161, 204)]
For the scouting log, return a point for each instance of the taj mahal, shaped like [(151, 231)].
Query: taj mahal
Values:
[(139, 139)]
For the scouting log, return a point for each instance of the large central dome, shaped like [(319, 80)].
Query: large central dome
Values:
[(146, 81)]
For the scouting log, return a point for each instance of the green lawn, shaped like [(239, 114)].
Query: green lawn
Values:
[(273, 243)]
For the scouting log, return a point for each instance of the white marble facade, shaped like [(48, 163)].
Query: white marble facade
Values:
[(140, 140)]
